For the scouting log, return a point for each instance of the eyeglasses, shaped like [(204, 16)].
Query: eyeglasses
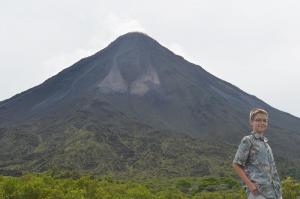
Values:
[(261, 120)]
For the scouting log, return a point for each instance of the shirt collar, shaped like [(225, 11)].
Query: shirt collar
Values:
[(260, 136)]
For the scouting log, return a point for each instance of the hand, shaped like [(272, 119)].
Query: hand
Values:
[(253, 189)]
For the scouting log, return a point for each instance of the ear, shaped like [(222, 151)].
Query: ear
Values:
[(251, 124)]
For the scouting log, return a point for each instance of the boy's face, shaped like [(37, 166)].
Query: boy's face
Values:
[(259, 123)]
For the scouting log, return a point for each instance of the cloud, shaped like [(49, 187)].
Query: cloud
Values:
[(106, 29), (181, 51), (111, 26), (119, 26)]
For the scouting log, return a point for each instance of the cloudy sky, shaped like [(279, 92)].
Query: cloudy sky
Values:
[(254, 44)]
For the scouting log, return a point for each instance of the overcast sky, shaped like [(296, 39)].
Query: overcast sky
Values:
[(254, 45)]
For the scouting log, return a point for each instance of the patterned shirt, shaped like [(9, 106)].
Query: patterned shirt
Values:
[(255, 156)]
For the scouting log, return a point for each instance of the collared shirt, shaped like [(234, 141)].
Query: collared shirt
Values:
[(255, 155)]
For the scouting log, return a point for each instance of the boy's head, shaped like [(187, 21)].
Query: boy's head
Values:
[(258, 119)]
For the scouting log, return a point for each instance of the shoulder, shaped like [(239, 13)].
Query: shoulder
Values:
[(247, 139)]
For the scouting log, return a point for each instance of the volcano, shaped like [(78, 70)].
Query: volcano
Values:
[(111, 110)]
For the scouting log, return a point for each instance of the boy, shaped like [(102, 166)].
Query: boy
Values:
[(254, 161)]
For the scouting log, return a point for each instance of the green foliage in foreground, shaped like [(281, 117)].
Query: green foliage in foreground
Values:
[(47, 186)]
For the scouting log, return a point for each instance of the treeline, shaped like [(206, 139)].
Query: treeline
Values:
[(70, 186)]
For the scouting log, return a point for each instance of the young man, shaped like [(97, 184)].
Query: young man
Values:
[(254, 161)]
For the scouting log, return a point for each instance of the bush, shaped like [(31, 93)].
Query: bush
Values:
[(45, 186)]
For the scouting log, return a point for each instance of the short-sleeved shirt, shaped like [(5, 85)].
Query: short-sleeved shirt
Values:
[(255, 155)]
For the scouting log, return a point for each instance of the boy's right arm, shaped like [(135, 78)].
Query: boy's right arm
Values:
[(240, 171), (240, 160)]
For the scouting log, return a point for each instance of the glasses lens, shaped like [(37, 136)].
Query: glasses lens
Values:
[(261, 120)]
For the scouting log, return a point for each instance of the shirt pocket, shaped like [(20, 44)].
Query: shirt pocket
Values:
[(255, 152)]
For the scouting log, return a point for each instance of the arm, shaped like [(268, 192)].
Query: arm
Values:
[(240, 171), (240, 160)]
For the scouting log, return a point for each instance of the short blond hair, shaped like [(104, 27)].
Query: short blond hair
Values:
[(256, 111)]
